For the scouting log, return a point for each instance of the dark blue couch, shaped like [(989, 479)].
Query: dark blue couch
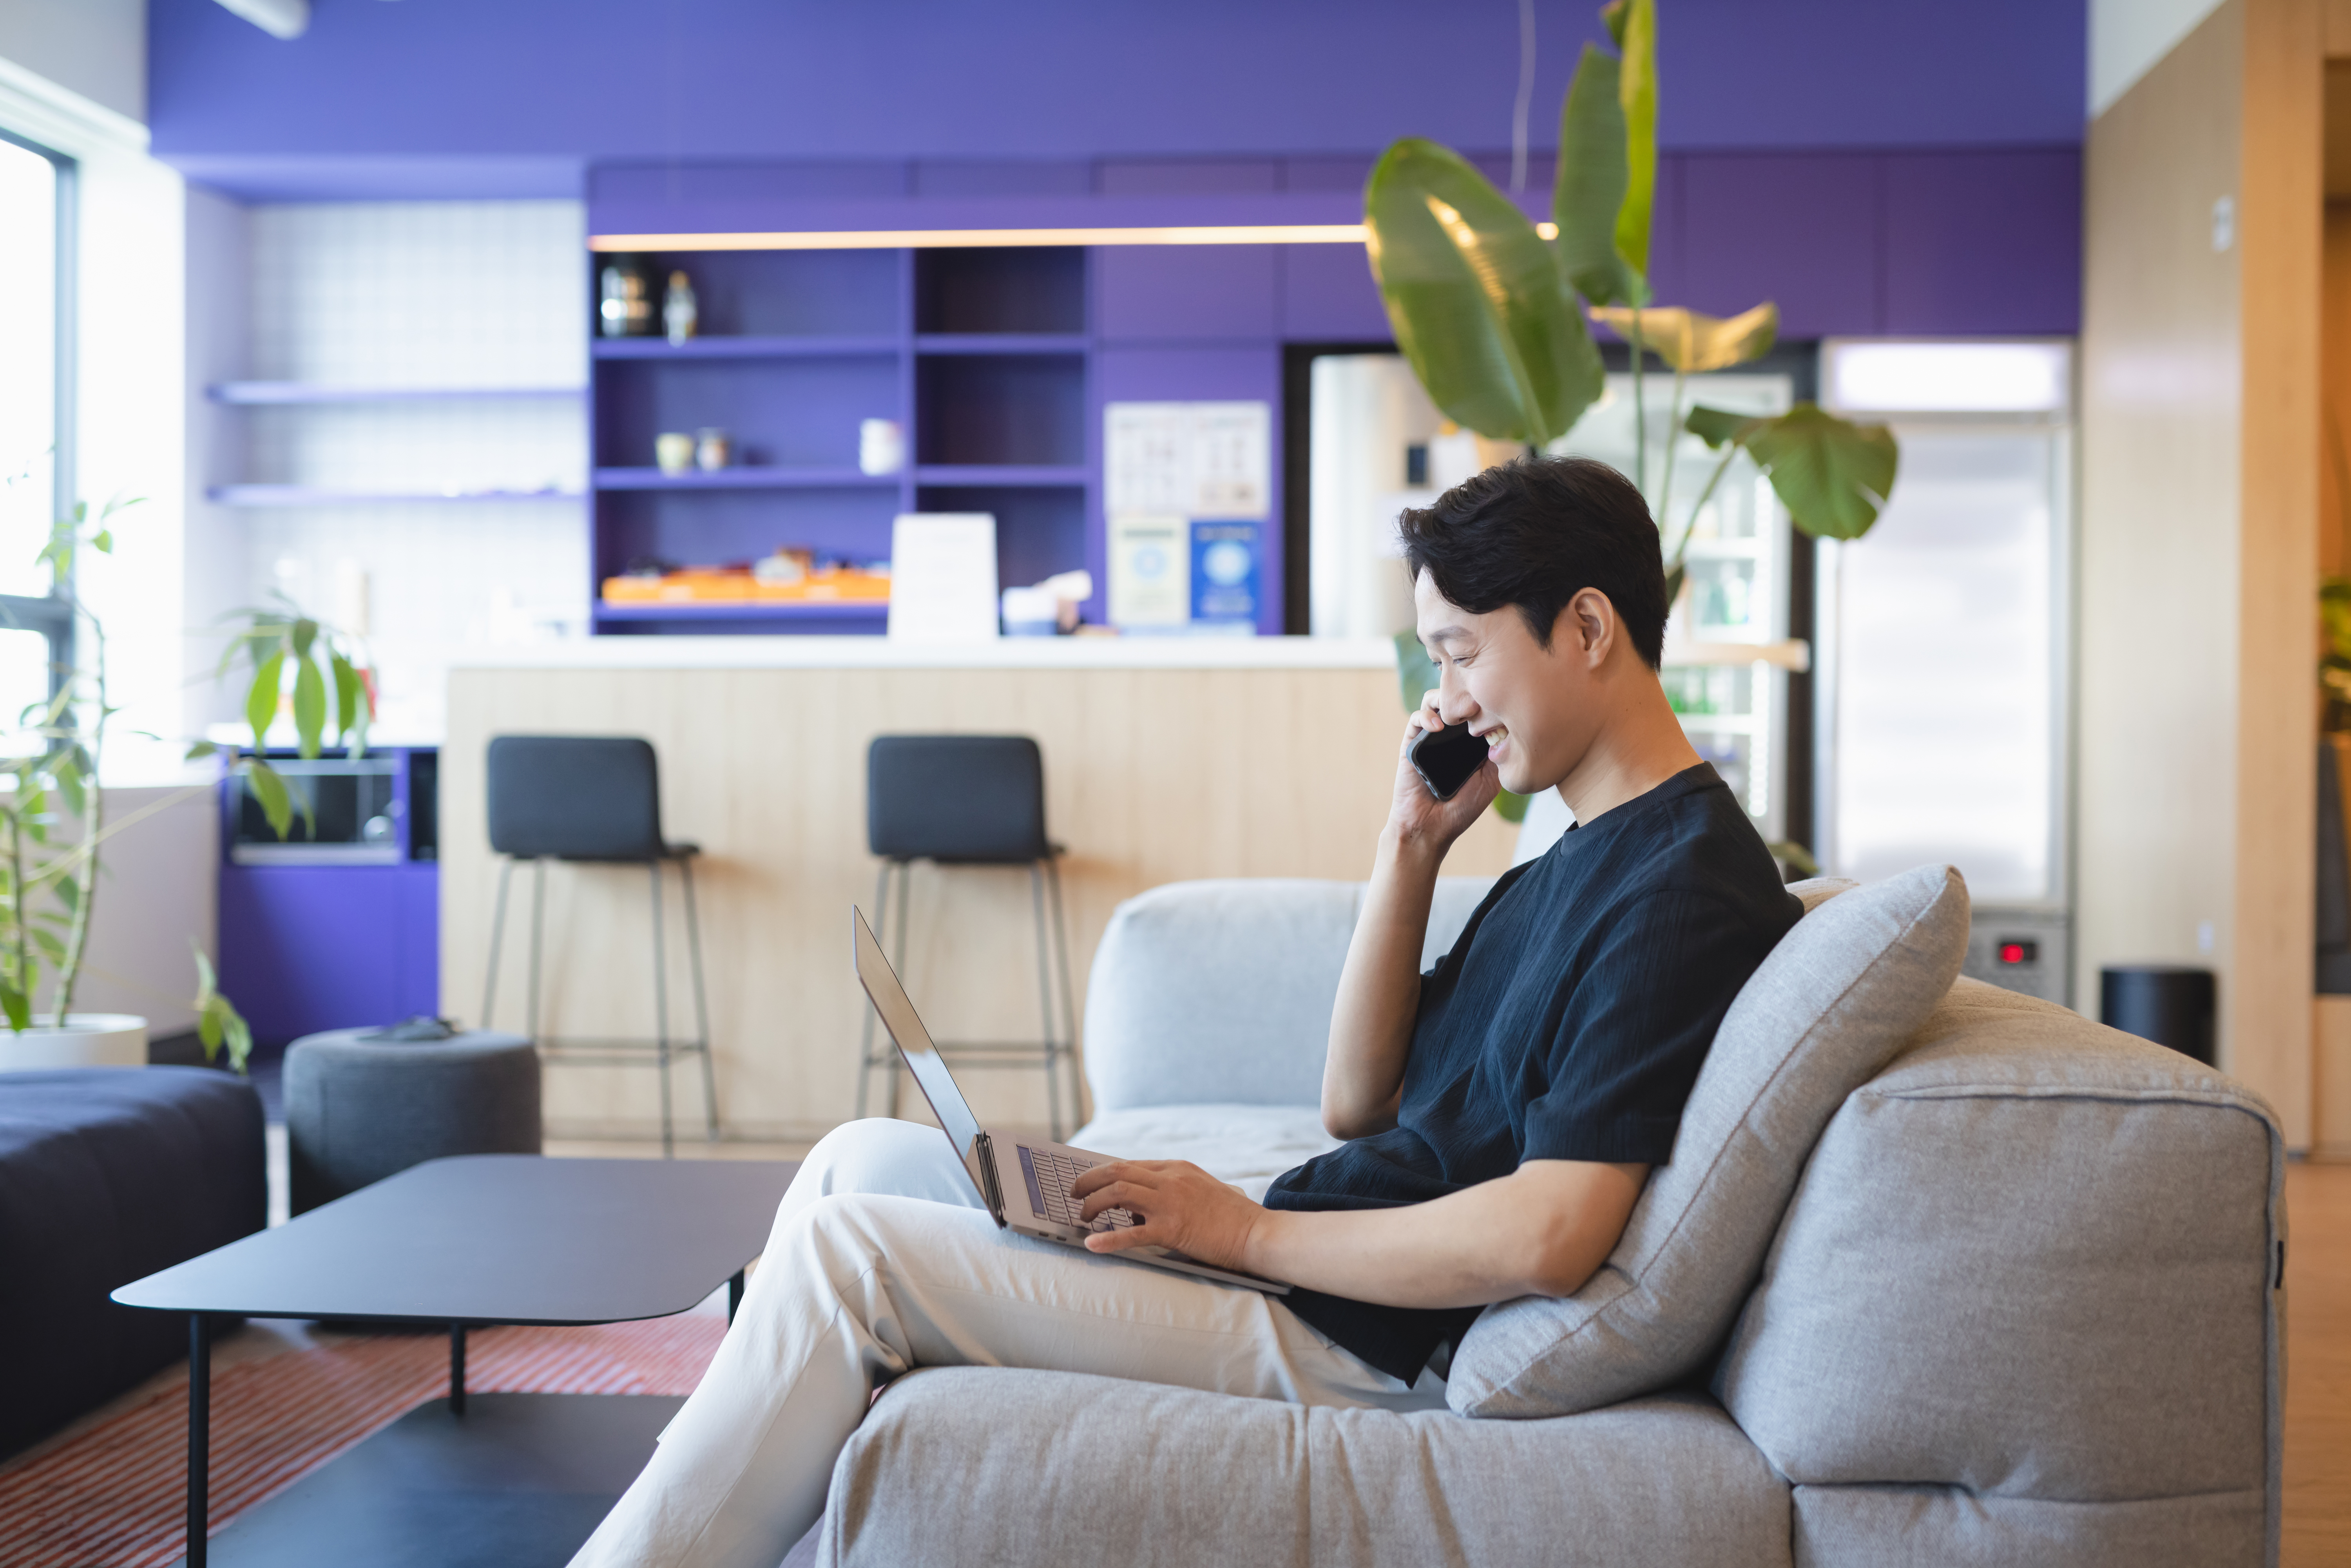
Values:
[(107, 1175)]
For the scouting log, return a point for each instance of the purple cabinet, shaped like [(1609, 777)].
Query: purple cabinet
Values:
[(349, 935)]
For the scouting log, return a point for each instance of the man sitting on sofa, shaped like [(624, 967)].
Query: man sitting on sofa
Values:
[(1501, 1111)]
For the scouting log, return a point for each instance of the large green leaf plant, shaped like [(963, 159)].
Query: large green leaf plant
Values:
[(1495, 318)]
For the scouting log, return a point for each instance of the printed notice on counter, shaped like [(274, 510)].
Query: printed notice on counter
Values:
[(1150, 571), (942, 576), (1203, 460)]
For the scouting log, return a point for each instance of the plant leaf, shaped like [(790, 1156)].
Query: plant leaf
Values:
[(309, 705), (53, 949), (1637, 90), (1612, 14), (1794, 854), (1590, 190), (218, 1022), (103, 539), (1510, 808), (68, 894), (348, 691), (1714, 426), (270, 791), (1476, 297), (261, 697), (1417, 674), (1693, 343), (18, 1006), (70, 784), (1832, 474), (306, 632), (200, 748)]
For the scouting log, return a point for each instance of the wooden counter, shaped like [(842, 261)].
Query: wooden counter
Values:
[(1163, 761)]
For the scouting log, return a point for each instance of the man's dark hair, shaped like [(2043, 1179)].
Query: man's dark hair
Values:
[(1534, 533)]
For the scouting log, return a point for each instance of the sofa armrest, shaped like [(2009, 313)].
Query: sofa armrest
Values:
[(1220, 992)]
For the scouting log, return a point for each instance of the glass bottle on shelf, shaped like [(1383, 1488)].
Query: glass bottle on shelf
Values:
[(625, 302), (679, 315)]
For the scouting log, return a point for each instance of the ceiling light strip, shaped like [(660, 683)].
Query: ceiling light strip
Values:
[(944, 239)]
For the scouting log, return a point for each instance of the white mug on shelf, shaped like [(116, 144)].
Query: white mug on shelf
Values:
[(880, 446)]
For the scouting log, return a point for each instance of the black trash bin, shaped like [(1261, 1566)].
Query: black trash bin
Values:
[(2170, 1004)]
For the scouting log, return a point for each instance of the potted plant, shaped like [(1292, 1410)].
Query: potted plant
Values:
[(1495, 316), (53, 824)]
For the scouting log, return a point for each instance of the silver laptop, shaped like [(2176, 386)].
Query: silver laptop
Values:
[(1036, 1174)]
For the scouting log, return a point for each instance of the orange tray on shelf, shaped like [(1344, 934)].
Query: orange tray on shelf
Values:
[(692, 587)]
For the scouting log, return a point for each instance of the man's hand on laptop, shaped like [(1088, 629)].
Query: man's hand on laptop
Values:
[(1176, 1205)]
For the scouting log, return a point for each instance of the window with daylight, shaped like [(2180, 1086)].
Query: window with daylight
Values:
[(35, 417)]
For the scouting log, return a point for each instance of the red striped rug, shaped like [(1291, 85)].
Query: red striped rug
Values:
[(115, 1497)]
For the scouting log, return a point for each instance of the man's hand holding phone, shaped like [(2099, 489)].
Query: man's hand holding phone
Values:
[(1416, 815)]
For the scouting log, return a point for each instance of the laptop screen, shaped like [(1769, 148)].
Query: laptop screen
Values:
[(880, 983)]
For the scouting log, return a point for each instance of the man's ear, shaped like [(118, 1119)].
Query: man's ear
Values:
[(1590, 620)]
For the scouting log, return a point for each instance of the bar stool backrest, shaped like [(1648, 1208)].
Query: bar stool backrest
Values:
[(574, 798), (969, 798)]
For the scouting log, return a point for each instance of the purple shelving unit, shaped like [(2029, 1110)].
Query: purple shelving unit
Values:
[(983, 356)]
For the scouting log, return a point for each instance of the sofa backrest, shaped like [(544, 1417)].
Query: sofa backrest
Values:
[(2033, 1262), (1220, 991)]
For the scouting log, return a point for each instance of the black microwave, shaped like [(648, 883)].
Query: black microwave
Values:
[(346, 813)]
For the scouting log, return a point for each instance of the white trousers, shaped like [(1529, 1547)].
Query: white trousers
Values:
[(882, 1260)]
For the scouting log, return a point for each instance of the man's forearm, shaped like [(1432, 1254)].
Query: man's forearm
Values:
[(1379, 990), (1541, 1230)]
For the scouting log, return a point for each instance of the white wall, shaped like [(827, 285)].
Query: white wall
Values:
[(418, 294), (2127, 36)]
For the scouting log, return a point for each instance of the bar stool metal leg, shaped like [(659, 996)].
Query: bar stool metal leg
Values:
[(898, 958), (1045, 1001), (701, 1004), (1069, 1039), (661, 1010), (866, 1040), (537, 926), (497, 936)]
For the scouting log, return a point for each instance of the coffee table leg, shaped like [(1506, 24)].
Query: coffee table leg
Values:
[(734, 1294), (456, 1369), (200, 1421)]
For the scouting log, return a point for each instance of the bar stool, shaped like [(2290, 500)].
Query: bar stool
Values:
[(594, 799), (971, 799)]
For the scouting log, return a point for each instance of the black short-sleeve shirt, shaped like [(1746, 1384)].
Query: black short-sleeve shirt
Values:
[(1567, 1023)]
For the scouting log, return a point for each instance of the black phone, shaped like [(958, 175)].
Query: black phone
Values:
[(1447, 759)]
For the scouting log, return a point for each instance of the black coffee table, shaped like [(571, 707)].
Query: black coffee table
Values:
[(460, 1244)]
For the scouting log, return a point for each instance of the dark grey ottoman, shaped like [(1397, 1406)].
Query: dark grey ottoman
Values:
[(358, 1111)]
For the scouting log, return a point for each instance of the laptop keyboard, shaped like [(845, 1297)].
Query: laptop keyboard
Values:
[(1050, 1175)]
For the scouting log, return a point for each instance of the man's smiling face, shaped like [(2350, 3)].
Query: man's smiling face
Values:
[(1533, 706)]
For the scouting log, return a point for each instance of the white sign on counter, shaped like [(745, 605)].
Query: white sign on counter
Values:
[(942, 576)]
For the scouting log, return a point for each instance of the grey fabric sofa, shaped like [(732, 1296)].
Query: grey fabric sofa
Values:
[(2021, 1305)]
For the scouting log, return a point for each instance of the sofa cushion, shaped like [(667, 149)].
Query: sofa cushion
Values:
[(1220, 991), (1197, 1478), (1248, 1145), (2033, 1260), (1827, 1010)]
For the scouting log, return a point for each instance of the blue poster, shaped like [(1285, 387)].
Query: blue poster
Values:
[(1225, 573)]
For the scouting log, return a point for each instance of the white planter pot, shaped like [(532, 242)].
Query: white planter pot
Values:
[(89, 1040)]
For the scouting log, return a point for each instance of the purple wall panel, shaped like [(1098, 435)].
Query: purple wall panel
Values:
[(1073, 78), (1184, 291), (1328, 295), (1799, 229), (1002, 177), (1187, 375), (1984, 243), (1187, 177)]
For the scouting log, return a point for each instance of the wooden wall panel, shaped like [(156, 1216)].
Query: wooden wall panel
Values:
[(2200, 459), (2157, 799), (1152, 777), (2281, 213)]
